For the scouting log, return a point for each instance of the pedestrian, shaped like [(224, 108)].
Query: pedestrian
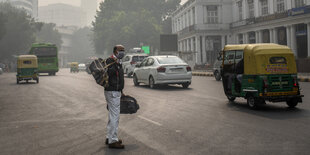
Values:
[(113, 95)]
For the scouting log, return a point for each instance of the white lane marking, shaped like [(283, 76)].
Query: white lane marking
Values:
[(156, 123)]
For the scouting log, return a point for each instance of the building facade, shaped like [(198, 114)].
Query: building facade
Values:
[(205, 26), (30, 6), (62, 15)]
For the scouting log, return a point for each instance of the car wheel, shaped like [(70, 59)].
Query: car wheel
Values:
[(185, 85), (292, 103), (217, 76), (152, 82), (231, 98), (135, 80)]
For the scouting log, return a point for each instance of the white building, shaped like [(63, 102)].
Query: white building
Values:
[(205, 26), (66, 37), (30, 6), (62, 15), (90, 8)]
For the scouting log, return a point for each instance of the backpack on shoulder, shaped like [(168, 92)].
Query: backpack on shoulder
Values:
[(99, 70)]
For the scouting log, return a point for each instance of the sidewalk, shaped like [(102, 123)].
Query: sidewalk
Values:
[(302, 77)]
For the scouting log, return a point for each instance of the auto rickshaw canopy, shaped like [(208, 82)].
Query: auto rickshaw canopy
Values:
[(268, 59), (74, 64), (27, 61), (234, 47)]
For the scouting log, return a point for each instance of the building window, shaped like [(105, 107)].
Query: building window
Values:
[(264, 7), (240, 38), (251, 8), (212, 14), (299, 3), (189, 18), (239, 4), (185, 16), (280, 5), (193, 15)]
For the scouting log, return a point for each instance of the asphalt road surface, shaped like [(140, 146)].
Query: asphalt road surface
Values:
[(66, 114)]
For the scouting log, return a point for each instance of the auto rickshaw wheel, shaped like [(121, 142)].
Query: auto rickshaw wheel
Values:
[(231, 98), (17, 80), (292, 103), (252, 102), (217, 76), (37, 80)]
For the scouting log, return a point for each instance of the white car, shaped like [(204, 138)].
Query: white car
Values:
[(156, 70), (130, 61), (82, 67)]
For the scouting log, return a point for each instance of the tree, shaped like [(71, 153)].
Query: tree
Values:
[(49, 34), (130, 22), (81, 45), (17, 32)]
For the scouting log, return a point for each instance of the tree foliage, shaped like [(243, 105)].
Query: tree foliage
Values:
[(81, 45), (17, 32), (49, 34), (130, 22)]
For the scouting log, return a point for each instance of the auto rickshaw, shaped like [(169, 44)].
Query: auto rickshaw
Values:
[(27, 68), (74, 67), (259, 73)]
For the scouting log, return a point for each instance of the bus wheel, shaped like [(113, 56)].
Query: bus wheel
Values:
[(292, 103), (252, 102)]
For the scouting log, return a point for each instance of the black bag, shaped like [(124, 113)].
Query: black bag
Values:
[(99, 70), (128, 105)]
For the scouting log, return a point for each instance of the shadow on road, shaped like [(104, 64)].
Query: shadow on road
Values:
[(271, 110), (107, 150), (166, 88)]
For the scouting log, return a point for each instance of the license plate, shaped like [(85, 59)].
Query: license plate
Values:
[(176, 69)]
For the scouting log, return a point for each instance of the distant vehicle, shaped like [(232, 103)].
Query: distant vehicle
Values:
[(136, 50), (47, 57), (217, 68), (74, 67), (156, 70), (27, 68), (82, 67), (87, 68), (130, 61)]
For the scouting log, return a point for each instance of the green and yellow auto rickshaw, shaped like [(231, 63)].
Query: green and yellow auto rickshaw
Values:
[(74, 67), (27, 68), (259, 73)]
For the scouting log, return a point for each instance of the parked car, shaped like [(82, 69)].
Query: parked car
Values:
[(217, 68), (130, 61), (156, 70), (82, 67)]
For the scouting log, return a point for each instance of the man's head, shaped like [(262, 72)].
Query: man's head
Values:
[(119, 51)]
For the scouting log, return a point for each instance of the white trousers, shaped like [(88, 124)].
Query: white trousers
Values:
[(113, 99)]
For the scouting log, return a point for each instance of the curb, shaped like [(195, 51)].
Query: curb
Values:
[(201, 74), (300, 79)]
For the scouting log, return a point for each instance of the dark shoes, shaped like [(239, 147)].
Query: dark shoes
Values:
[(116, 145)]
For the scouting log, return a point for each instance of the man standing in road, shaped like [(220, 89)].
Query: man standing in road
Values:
[(113, 94)]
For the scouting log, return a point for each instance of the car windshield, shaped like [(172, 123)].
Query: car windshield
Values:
[(169, 60), (138, 58)]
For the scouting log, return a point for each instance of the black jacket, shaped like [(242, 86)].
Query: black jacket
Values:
[(116, 76)]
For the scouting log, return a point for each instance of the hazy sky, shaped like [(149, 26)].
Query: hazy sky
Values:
[(72, 2)]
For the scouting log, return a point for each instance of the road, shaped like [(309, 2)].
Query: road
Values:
[(66, 114)]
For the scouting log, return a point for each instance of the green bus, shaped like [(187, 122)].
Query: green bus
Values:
[(47, 57)]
